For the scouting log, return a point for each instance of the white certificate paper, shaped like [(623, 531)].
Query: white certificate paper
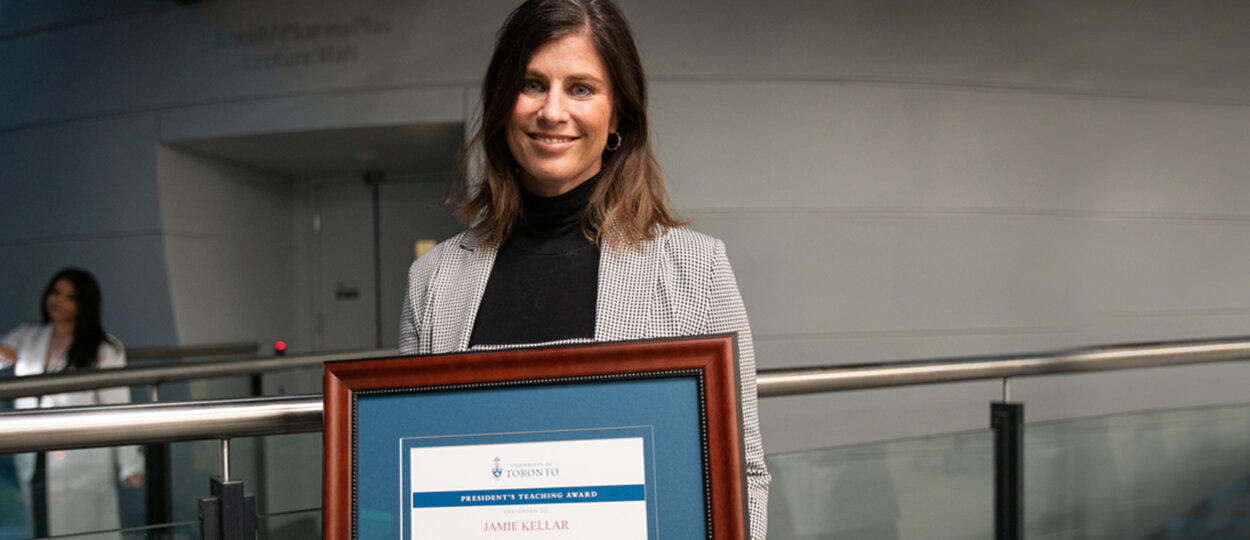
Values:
[(591, 488)]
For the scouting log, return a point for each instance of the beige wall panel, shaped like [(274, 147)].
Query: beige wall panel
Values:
[(812, 273), (828, 145), (231, 255)]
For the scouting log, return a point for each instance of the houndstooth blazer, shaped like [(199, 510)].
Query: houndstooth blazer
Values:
[(679, 284)]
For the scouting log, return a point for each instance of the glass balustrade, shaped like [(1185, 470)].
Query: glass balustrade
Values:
[(13, 521), (927, 487), (293, 525), (1157, 475), (1173, 474), (168, 531)]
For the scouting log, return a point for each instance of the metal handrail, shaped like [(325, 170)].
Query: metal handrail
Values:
[(114, 425), (56, 383), (83, 427), (789, 382), (189, 351)]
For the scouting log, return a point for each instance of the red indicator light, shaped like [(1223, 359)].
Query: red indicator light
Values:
[(279, 346)]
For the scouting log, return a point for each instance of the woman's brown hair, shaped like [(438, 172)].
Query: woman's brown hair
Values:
[(628, 204)]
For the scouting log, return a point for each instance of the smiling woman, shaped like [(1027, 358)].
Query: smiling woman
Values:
[(589, 47), (559, 128), (570, 237)]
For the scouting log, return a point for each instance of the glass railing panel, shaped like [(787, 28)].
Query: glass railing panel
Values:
[(168, 531), (931, 488), (1224, 515), (1172, 474), (122, 505), (293, 525), (13, 520), (283, 472), (291, 473)]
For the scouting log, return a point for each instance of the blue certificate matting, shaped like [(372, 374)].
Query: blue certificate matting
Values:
[(663, 412)]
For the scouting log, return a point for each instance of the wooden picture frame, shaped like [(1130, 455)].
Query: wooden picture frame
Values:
[(683, 394)]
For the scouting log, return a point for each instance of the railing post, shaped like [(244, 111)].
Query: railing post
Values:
[(225, 460), (228, 513), (1007, 422), (159, 493)]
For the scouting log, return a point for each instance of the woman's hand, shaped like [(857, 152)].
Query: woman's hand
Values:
[(134, 480), (8, 356)]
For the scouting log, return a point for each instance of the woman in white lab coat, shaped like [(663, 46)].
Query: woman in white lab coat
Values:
[(80, 486)]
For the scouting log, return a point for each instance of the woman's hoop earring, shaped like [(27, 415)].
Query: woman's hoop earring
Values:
[(612, 147)]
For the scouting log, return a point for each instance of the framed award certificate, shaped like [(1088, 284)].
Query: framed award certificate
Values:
[(630, 441)]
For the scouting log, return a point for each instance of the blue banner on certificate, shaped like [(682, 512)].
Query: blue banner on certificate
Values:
[(561, 484)]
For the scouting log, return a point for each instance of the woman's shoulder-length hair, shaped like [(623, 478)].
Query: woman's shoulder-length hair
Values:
[(629, 204)]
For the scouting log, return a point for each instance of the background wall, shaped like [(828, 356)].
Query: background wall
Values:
[(229, 240), (83, 193), (894, 179)]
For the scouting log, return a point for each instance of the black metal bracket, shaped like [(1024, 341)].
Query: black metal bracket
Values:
[(159, 492), (1007, 422), (228, 514)]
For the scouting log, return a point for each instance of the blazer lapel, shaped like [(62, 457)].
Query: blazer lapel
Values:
[(461, 281), (627, 282)]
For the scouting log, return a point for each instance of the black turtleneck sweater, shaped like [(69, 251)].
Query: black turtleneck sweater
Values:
[(544, 284)]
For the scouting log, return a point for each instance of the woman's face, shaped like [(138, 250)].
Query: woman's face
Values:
[(559, 126), (62, 302)]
